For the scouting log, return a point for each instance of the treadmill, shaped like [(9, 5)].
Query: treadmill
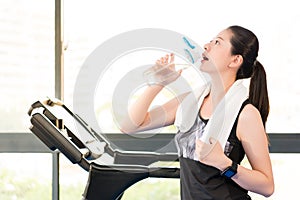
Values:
[(62, 130)]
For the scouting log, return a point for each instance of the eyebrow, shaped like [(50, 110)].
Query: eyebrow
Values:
[(220, 38)]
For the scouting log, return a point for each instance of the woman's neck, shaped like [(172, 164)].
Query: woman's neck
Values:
[(219, 88)]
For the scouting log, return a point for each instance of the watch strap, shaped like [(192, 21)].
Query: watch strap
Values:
[(230, 171)]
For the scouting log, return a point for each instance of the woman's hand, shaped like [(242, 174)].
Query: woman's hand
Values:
[(164, 71), (212, 154)]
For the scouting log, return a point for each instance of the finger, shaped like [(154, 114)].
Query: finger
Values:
[(179, 72), (212, 140), (172, 57), (162, 60), (158, 63), (167, 58), (203, 149), (199, 144)]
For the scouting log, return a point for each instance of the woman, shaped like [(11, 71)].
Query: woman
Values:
[(216, 173)]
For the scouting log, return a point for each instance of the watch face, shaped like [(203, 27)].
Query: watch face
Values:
[(229, 173)]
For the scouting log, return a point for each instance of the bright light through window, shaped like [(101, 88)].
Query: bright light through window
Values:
[(277, 33)]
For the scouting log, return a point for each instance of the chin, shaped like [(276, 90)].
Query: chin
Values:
[(204, 68)]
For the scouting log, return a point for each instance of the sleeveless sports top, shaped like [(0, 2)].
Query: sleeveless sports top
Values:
[(202, 182)]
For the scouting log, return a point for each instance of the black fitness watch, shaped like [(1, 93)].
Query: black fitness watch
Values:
[(230, 171)]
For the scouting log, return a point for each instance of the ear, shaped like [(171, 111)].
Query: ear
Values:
[(236, 61)]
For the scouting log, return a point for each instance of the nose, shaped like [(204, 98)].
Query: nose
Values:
[(206, 47)]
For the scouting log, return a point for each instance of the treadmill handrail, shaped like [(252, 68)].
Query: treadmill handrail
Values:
[(120, 156)]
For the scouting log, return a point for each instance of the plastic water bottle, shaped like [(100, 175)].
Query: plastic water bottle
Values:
[(160, 74)]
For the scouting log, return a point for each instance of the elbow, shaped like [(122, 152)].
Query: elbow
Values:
[(128, 127), (123, 130), (127, 130), (269, 194), (269, 191)]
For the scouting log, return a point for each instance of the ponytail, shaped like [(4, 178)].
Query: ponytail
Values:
[(245, 43), (258, 91)]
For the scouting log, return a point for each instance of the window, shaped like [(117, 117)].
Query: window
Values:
[(26, 75), (26, 59), (84, 33), (200, 21), (25, 176)]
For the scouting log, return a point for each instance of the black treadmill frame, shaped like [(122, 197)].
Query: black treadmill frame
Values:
[(128, 168)]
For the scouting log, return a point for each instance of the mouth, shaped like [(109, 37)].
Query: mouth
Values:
[(204, 57)]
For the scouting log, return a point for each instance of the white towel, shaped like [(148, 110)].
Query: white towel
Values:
[(221, 122)]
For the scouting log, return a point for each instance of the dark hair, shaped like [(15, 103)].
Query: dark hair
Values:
[(245, 43)]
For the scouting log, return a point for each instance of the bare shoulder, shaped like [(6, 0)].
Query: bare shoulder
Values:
[(249, 123), (249, 112)]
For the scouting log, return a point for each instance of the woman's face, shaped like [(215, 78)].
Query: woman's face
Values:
[(217, 55)]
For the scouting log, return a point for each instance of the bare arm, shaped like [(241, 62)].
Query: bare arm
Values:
[(138, 112), (139, 116), (251, 132)]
